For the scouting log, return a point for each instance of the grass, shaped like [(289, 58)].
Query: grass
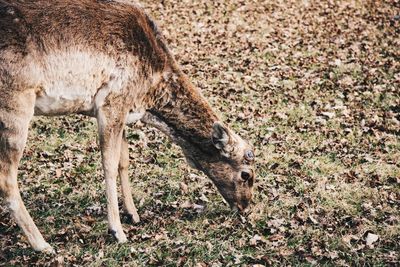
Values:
[(313, 85)]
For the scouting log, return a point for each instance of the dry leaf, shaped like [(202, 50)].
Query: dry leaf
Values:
[(370, 239)]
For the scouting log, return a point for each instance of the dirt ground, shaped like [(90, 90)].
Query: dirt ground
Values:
[(314, 85)]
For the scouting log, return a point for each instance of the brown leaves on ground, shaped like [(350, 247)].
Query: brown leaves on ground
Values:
[(314, 85)]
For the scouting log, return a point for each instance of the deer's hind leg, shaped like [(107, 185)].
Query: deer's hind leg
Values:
[(16, 110), (125, 185)]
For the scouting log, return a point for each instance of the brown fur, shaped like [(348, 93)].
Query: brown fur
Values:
[(107, 60)]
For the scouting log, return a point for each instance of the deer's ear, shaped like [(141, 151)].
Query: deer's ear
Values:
[(220, 136)]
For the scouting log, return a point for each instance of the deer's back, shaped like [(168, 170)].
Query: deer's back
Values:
[(69, 49), (102, 25)]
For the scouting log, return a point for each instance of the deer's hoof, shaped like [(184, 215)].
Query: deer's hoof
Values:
[(119, 235), (45, 248), (133, 218), (49, 250)]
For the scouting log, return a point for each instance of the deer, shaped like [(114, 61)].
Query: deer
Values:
[(107, 60)]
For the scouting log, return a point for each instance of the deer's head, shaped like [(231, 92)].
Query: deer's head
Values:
[(184, 115), (230, 165)]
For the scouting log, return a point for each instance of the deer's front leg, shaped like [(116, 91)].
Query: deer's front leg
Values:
[(111, 124), (15, 114), (125, 185)]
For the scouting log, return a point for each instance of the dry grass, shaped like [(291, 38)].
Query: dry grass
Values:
[(313, 84)]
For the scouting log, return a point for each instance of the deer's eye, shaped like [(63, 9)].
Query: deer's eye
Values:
[(249, 155)]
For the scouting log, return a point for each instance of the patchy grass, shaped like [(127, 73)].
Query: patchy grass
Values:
[(314, 85)]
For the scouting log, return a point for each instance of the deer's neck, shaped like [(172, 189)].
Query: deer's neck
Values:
[(185, 112)]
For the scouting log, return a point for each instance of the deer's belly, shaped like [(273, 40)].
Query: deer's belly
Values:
[(70, 81), (63, 101)]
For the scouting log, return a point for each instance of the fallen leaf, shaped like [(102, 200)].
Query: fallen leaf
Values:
[(370, 239)]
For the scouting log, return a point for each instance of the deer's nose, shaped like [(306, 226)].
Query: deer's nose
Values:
[(243, 205)]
